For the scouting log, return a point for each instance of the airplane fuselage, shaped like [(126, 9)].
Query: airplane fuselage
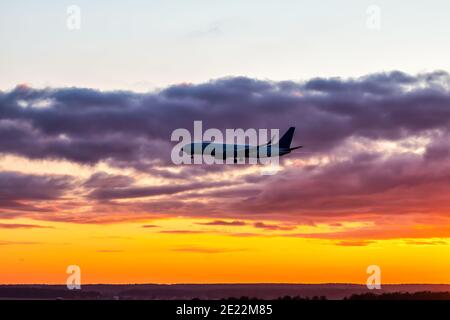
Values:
[(224, 151), (242, 151)]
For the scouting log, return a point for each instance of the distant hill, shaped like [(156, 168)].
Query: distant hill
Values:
[(227, 291), (422, 295)]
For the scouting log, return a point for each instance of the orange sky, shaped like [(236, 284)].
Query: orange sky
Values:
[(180, 250)]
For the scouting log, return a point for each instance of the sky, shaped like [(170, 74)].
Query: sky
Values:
[(86, 116), (143, 45)]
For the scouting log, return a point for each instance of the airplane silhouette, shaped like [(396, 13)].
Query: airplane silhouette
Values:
[(239, 151)]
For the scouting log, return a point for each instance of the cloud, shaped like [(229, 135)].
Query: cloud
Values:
[(16, 186), (133, 130), (106, 193), (427, 242), (354, 243), (244, 234), (376, 149), (181, 231), (223, 223), (22, 226), (24, 194), (383, 232), (105, 180), (262, 225)]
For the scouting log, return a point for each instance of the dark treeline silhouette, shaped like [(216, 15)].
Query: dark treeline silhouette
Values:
[(302, 298), (236, 292), (46, 293), (245, 298), (423, 295)]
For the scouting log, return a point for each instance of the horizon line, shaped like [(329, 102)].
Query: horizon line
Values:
[(224, 283)]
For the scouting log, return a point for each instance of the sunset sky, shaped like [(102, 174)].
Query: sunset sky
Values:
[(86, 117)]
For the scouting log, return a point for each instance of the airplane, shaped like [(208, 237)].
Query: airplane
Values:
[(219, 150)]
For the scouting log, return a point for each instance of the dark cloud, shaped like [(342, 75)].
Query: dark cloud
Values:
[(107, 193), (104, 180), (223, 223), (16, 186), (131, 129), (362, 185), (262, 225)]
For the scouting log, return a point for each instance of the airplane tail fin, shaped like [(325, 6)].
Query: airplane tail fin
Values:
[(285, 141)]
